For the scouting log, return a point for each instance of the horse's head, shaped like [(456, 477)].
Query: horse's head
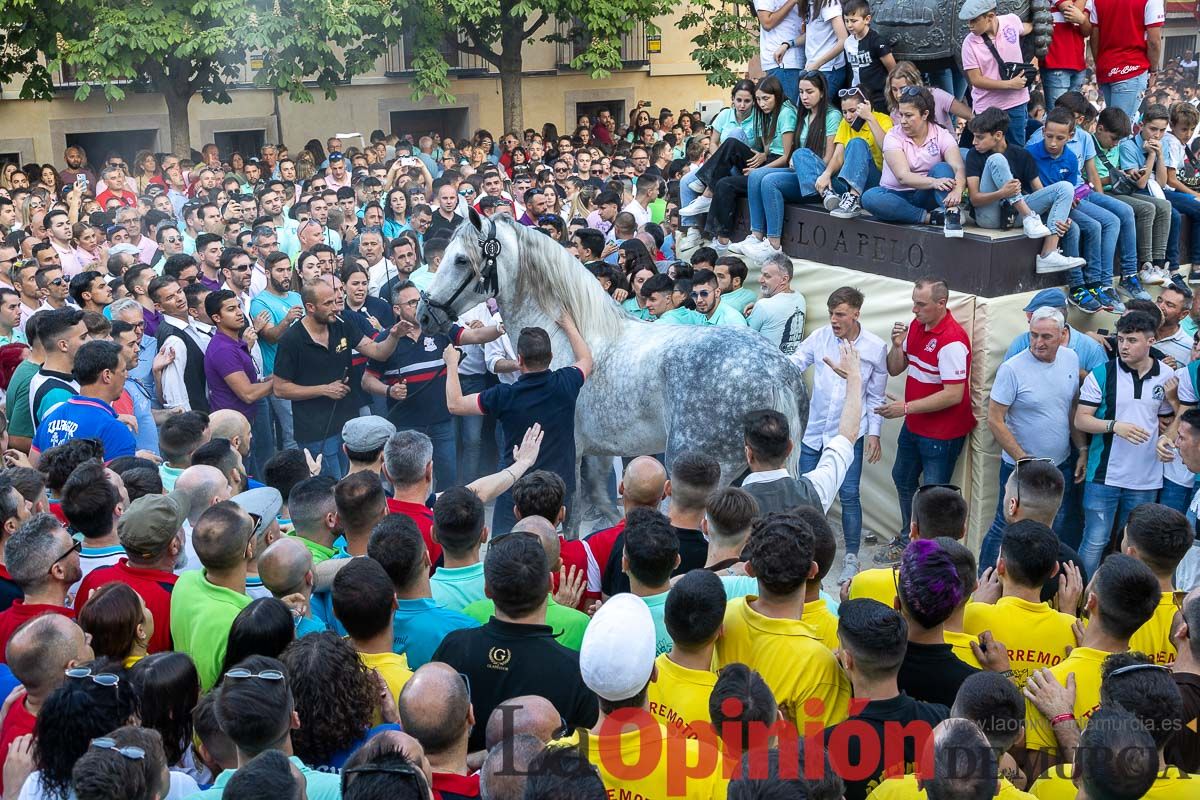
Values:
[(469, 273)]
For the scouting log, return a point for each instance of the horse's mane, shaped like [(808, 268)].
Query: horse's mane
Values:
[(550, 276)]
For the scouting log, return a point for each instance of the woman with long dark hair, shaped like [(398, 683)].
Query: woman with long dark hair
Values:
[(769, 189), (314, 148), (263, 628), (168, 688), (770, 150)]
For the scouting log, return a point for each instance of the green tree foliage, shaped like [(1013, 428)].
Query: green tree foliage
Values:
[(182, 48), (726, 38)]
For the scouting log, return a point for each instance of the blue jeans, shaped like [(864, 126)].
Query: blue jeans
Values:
[(1057, 82), (1125, 95), (334, 462), (445, 466), (1173, 495), (1098, 239), (835, 79), (282, 410), (1018, 117), (989, 550), (1189, 207), (790, 78), (1106, 508), (262, 438), (1127, 237), (468, 431), (917, 457), (767, 202), (848, 494), (1054, 199), (909, 206), (858, 170)]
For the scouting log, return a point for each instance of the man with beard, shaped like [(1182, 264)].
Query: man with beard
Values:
[(151, 531), (43, 561)]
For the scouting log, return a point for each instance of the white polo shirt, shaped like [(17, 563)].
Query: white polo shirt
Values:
[(1117, 393)]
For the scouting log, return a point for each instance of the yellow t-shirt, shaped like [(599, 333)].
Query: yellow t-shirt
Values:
[(1035, 634), (679, 696), (822, 623), (795, 665), (877, 584), (1085, 663), (845, 133), (629, 768), (905, 788), (393, 668), (1154, 638), (1173, 784), (960, 643)]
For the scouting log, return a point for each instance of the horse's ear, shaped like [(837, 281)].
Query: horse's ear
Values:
[(473, 215)]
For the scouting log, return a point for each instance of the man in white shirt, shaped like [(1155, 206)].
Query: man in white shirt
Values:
[(178, 334), (779, 313), (822, 349), (647, 192)]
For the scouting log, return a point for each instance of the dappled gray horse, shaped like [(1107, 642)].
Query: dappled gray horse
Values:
[(655, 388)]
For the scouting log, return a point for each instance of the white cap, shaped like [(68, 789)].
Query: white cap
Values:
[(617, 655)]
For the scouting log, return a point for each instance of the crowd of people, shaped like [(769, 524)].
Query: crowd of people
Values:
[(245, 542)]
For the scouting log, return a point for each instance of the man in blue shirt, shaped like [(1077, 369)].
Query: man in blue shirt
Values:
[(540, 395), (101, 372), (1056, 162)]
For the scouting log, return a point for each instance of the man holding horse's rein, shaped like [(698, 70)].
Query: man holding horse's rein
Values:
[(540, 395)]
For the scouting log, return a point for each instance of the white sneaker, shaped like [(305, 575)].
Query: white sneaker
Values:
[(691, 240), (830, 199), (849, 568), (760, 250), (740, 248), (1152, 275), (698, 206), (721, 249), (1055, 261), (1034, 227)]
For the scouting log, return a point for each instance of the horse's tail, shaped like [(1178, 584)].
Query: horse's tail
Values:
[(791, 399)]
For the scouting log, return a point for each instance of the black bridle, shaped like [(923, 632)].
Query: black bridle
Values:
[(488, 285)]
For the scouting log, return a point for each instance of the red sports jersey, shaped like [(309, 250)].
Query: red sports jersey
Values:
[(937, 357)]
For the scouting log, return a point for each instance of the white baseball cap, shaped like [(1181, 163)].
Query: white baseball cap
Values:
[(617, 655)]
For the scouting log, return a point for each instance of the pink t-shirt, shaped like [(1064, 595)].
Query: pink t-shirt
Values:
[(976, 55), (920, 158)]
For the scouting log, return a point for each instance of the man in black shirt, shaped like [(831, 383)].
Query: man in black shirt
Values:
[(445, 219), (873, 641), (312, 369), (1010, 186), (930, 590), (515, 653)]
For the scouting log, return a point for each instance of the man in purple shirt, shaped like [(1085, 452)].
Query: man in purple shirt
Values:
[(232, 377)]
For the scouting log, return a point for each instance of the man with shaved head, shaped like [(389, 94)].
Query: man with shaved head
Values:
[(568, 623), (435, 708), (286, 567), (528, 715), (205, 602), (37, 654), (228, 423), (506, 768), (203, 486), (643, 485)]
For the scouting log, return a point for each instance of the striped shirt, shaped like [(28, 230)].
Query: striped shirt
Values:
[(419, 364), (936, 357), (1118, 393)]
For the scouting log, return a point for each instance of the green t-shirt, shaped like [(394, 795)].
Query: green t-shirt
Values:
[(1112, 156), (785, 124), (631, 305), (726, 314), (684, 316), (320, 785), (657, 604), (169, 475), (20, 419), (320, 552), (201, 615), (738, 299), (456, 588), (568, 623), (833, 120)]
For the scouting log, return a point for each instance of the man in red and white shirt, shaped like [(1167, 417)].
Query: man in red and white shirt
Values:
[(1126, 45), (936, 408), (1064, 64)]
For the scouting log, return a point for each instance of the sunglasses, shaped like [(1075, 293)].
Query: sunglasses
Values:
[(132, 753), (851, 92), (1137, 668), (76, 546), (241, 673), (911, 91), (171, 239), (58, 282), (701, 295), (100, 678)]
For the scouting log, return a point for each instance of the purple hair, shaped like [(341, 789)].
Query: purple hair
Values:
[(929, 586)]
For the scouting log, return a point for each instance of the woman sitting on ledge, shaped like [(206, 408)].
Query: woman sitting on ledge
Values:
[(945, 106), (923, 175), (769, 189), (721, 190)]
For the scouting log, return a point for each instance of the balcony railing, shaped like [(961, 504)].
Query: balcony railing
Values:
[(634, 49), (398, 61)]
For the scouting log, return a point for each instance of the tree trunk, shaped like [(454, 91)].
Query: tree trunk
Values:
[(511, 66), (177, 116)]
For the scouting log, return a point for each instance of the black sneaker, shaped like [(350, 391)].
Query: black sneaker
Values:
[(849, 207), (1008, 217), (952, 228), (1194, 275), (937, 218), (1176, 280)]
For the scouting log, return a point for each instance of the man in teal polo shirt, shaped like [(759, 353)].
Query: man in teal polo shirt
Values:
[(205, 602), (707, 296)]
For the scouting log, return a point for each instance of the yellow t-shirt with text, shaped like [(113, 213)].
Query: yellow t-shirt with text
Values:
[(877, 584), (679, 696), (905, 788), (1085, 663), (1154, 638), (822, 622), (960, 643), (629, 768), (796, 666), (1035, 634), (1172, 784)]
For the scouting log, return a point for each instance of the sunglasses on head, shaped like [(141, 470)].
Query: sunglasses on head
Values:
[(911, 91), (854, 90), (100, 678), (132, 753)]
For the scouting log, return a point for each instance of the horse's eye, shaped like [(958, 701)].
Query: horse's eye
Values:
[(462, 261)]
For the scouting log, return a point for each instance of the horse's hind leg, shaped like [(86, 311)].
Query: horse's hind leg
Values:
[(593, 506)]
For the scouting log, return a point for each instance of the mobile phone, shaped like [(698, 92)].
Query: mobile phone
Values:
[(81, 180), (858, 123)]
